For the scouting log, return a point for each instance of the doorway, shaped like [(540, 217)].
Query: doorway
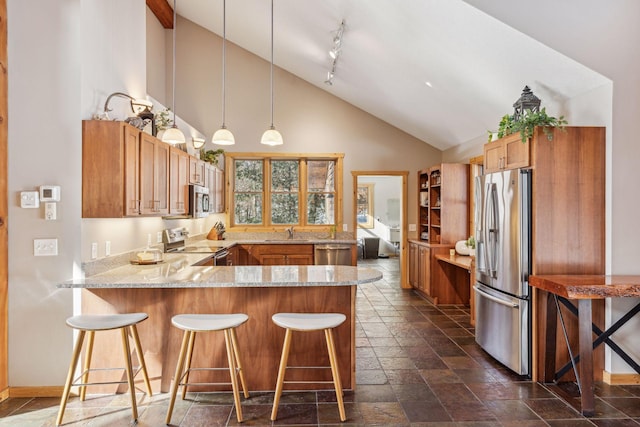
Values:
[(379, 217)]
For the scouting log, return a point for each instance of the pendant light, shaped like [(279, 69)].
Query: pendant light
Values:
[(223, 136), (173, 135), (271, 136)]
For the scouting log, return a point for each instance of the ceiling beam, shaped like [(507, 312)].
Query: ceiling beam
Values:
[(163, 12)]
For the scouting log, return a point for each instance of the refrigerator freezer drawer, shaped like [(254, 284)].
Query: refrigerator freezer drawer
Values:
[(502, 328)]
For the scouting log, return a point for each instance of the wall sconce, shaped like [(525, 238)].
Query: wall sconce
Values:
[(198, 143), (137, 105)]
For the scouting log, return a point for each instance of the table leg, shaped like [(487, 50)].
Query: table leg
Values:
[(586, 356), (550, 340)]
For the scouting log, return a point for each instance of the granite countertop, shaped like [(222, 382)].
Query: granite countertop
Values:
[(177, 271)]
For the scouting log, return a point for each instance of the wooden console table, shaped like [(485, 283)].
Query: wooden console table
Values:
[(584, 288)]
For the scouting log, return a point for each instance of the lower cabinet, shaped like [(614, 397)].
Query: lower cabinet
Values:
[(425, 276), (275, 254)]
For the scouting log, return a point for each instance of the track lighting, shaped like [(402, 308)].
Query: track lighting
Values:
[(334, 53)]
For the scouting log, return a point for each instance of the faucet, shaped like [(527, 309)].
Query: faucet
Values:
[(290, 231)]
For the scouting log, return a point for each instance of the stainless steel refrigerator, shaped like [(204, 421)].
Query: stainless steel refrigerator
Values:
[(503, 253)]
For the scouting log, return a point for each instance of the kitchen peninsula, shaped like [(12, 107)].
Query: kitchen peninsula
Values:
[(177, 286)]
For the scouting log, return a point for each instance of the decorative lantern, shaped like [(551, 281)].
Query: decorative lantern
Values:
[(527, 101)]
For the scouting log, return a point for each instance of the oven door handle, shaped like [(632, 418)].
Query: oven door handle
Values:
[(494, 299)]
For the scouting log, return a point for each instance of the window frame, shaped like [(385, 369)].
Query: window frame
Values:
[(303, 192)]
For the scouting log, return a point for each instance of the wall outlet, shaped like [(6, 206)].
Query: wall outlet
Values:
[(159, 237), (412, 227), (94, 250), (345, 227), (45, 247), (107, 248)]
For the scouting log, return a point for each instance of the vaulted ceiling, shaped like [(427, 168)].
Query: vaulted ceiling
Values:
[(440, 70)]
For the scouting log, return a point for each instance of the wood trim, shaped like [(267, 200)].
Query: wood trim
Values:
[(162, 11), (620, 379), (4, 244), (259, 155), (478, 160), (404, 260), (46, 391)]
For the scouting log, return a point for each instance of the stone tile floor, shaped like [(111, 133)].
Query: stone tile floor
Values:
[(417, 365)]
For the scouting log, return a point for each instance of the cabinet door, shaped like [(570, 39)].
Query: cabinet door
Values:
[(131, 171), (273, 259), (493, 155), (154, 170), (516, 152), (299, 259), (413, 265), (424, 277), (219, 190), (196, 171), (178, 179)]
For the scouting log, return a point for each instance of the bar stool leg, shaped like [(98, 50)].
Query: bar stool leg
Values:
[(281, 371), (333, 360), (178, 375), (87, 364), (67, 385), (187, 363), (143, 365), (129, 369), (234, 340), (232, 371)]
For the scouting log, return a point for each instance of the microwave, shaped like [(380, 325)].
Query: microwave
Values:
[(199, 202)]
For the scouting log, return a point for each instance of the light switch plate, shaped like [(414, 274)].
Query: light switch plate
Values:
[(45, 247), (29, 199), (50, 211), (412, 227)]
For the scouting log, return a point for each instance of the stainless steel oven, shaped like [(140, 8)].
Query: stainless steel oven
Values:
[(199, 203)]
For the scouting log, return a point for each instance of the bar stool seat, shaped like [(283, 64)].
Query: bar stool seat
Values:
[(305, 322), (194, 323), (89, 324)]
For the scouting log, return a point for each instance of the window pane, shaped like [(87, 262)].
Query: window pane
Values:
[(248, 208), (284, 208), (285, 175), (248, 175), (321, 175), (320, 209)]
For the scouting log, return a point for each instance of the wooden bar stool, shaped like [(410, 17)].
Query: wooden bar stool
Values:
[(91, 323), (192, 323), (306, 322)]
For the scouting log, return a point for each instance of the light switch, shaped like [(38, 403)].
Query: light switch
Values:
[(29, 199), (412, 227), (45, 247), (50, 211)]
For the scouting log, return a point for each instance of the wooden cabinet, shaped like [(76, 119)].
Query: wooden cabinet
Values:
[(178, 181), (508, 152), (197, 172), (426, 277), (154, 173), (287, 254), (214, 180), (443, 197)]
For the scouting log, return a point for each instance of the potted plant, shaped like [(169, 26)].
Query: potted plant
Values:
[(527, 124), (471, 244), (211, 156)]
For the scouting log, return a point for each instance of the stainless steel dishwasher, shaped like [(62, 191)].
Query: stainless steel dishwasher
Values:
[(332, 254)]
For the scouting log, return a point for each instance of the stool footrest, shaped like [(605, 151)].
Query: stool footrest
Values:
[(307, 382), (75, 382)]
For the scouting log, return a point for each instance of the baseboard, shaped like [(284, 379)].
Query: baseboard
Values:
[(620, 379), (4, 394), (51, 391)]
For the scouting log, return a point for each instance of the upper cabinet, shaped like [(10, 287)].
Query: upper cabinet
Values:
[(178, 181), (508, 152), (214, 180), (197, 172), (154, 175)]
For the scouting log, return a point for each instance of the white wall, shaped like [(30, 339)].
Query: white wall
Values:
[(44, 50)]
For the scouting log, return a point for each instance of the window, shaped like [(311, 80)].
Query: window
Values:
[(284, 190)]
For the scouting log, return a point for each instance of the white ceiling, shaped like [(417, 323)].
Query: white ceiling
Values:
[(477, 66)]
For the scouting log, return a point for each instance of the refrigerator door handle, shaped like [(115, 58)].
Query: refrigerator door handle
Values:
[(494, 299), (492, 229)]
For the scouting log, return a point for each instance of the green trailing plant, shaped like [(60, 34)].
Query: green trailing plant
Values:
[(211, 156), (163, 120), (527, 124)]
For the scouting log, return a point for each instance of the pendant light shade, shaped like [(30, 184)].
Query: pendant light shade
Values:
[(173, 135), (223, 136), (271, 136)]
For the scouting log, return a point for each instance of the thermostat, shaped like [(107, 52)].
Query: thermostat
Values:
[(49, 193)]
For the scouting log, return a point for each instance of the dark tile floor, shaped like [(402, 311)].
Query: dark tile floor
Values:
[(417, 365)]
